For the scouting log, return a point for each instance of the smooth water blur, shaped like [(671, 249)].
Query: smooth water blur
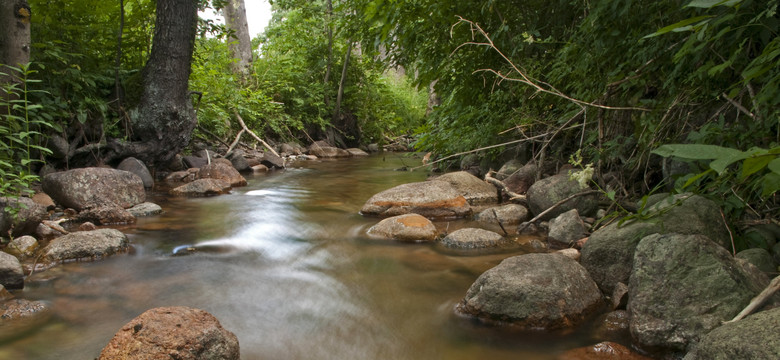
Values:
[(284, 264)]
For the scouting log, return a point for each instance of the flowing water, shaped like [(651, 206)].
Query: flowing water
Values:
[(284, 264)]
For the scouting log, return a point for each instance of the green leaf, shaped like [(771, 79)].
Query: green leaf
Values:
[(774, 166), (677, 26), (755, 164), (707, 4), (771, 184), (695, 151), (696, 177)]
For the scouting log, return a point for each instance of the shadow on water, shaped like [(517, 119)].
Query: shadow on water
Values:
[(283, 263)]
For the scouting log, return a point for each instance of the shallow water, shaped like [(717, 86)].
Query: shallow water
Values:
[(284, 264)]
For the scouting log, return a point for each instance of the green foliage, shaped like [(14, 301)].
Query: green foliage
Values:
[(21, 131)]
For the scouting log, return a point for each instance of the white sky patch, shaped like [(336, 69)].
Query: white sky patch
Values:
[(258, 15)]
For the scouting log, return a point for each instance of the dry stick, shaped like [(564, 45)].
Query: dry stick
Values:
[(551, 208), (243, 125), (733, 248), (759, 300), (235, 142), (201, 128), (500, 184), (498, 220), (476, 150), (738, 106)]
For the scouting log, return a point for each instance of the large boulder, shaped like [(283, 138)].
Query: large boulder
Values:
[(566, 229), (11, 273), (683, 286), (408, 227), (609, 252), (476, 191), (202, 187), (754, 337), (20, 214), (432, 199), (137, 167), (85, 245), (238, 160), (472, 238), (222, 171), (79, 188), (544, 193), (181, 333), (533, 291)]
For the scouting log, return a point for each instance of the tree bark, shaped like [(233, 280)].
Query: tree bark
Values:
[(166, 117), (328, 16), (342, 84), (14, 38), (241, 45)]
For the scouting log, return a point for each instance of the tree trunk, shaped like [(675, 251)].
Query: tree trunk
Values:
[(329, 14), (342, 84), (241, 45), (14, 38), (166, 117)]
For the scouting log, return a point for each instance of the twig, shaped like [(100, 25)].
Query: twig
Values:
[(209, 133), (553, 207), (235, 142), (500, 184), (731, 236), (738, 106), (476, 150), (499, 222), (243, 125), (759, 300)]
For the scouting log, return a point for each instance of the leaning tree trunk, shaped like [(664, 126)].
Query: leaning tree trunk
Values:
[(166, 117), (241, 46), (14, 38)]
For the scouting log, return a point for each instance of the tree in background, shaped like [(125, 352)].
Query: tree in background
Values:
[(240, 43), (14, 37)]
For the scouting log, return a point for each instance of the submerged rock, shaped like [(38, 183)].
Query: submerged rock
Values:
[(203, 187), (328, 152), (181, 333), (86, 245), (602, 351), (533, 291), (408, 227), (80, 188), (472, 238), (432, 199), (145, 209), (683, 286), (754, 337)]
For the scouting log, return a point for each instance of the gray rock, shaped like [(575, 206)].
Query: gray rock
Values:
[(59, 147), (355, 152), (571, 253), (508, 168), (546, 192), (776, 252), (145, 209), (754, 337), (566, 229), (290, 149), (11, 274), (683, 286), (533, 291), (194, 162), (86, 245), (137, 167), (432, 199), (222, 171), (173, 333), (609, 252), (409, 227), (79, 188), (202, 187), (471, 164), (238, 160), (509, 215), (373, 148), (272, 161), (472, 238), (22, 247), (760, 258), (17, 309), (28, 215), (328, 152), (476, 191), (521, 180), (106, 214)]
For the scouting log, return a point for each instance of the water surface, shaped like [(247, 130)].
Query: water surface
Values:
[(284, 264)]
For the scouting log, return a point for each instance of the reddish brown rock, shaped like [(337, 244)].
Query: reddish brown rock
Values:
[(602, 351), (409, 227), (222, 171), (172, 333), (432, 199)]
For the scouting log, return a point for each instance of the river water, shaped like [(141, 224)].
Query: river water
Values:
[(284, 264)]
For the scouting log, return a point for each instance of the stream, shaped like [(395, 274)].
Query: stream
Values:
[(284, 263)]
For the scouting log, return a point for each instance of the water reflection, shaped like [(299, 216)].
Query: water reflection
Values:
[(283, 263)]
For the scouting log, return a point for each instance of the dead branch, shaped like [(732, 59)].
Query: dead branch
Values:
[(759, 300), (477, 150), (738, 106), (513, 196), (525, 79), (209, 133), (553, 207), (243, 125), (235, 142)]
